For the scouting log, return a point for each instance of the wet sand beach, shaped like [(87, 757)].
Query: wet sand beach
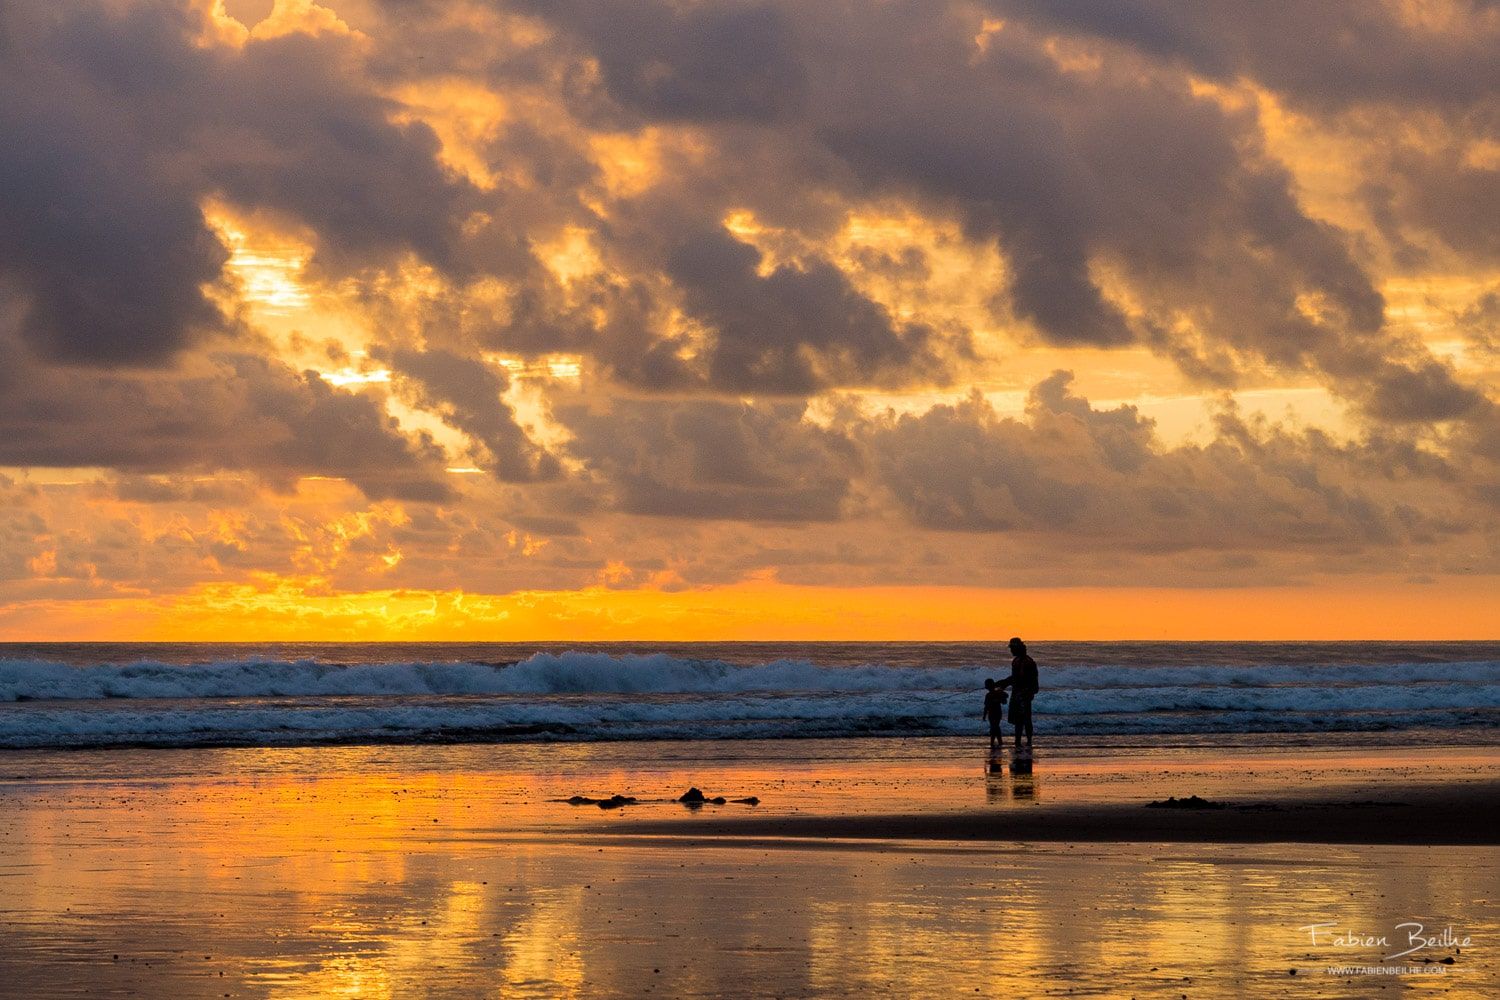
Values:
[(870, 866)]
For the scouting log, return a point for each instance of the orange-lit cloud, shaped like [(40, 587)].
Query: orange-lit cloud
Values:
[(746, 319)]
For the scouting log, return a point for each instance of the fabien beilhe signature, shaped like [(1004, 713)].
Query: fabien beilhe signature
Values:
[(1410, 935)]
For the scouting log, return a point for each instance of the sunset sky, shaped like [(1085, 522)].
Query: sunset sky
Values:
[(432, 319)]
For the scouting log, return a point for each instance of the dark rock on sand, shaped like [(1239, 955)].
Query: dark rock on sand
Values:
[(692, 795), (616, 801), (750, 800), (1191, 802), (613, 802)]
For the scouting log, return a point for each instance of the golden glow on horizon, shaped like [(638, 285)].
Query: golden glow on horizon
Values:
[(284, 609)]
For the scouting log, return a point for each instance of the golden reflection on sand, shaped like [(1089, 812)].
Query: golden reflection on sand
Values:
[(389, 872)]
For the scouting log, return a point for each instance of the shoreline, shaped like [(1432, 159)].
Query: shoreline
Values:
[(550, 735), (1454, 816)]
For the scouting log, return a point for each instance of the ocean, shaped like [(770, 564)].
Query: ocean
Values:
[(231, 694)]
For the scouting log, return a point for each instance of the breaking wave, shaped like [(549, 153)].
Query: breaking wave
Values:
[(593, 695)]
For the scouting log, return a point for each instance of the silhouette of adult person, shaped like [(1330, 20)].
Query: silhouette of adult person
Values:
[(1024, 684)]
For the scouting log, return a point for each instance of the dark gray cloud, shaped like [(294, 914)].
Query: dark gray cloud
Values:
[(300, 133), (1370, 69), (1439, 190), (207, 490), (713, 460), (228, 411), (117, 125), (1417, 391), (109, 248), (797, 329), (726, 61), (1062, 171), (1480, 323), (1112, 184), (1134, 172), (617, 320), (326, 431), (1099, 478), (1128, 208), (1322, 53)]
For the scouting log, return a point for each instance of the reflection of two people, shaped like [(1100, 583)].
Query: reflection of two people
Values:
[(1023, 683), (1016, 783)]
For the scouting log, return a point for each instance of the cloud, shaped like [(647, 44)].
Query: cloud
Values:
[(300, 133), (207, 490), (21, 529), (1414, 82), (1099, 478), (1479, 321), (724, 215), (108, 247), (1131, 205), (467, 393), (119, 124), (734, 61), (1419, 391), (233, 411), (1130, 208), (1441, 188), (1322, 53), (713, 460), (796, 329)]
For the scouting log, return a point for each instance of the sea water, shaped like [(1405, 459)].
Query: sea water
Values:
[(227, 694)]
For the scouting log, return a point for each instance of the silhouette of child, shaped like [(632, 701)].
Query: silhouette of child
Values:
[(994, 705)]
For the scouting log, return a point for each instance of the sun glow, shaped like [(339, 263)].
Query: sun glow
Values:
[(351, 376), (268, 271), (306, 608)]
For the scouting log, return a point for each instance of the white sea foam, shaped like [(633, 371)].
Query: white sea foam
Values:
[(587, 695), (600, 673)]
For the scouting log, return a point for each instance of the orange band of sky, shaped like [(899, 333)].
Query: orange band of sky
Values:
[(763, 610)]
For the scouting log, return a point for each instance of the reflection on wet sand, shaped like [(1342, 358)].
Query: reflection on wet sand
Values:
[(1012, 783), (391, 877)]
